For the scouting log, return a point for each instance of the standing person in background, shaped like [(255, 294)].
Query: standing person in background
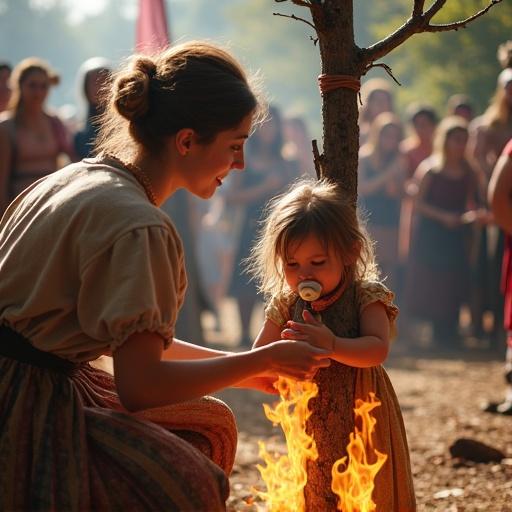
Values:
[(5, 87), (415, 148), (102, 273), (266, 174), (377, 98), (183, 210), (460, 105), (31, 138), (436, 280), (418, 145), (218, 229), (93, 76), (382, 173), (489, 134), (298, 146), (500, 202)]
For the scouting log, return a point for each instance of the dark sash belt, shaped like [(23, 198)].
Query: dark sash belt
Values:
[(15, 346)]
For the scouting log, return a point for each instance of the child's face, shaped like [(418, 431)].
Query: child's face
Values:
[(309, 259)]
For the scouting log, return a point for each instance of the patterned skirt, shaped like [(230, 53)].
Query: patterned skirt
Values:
[(67, 444)]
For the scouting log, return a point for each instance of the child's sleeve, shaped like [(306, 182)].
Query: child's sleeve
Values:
[(375, 291), (278, 310)]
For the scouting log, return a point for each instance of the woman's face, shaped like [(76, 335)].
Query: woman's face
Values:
[(455, 145), (424, 127), (390, 137), (207, 165), (93, 83), (379, 102), (34, 89)]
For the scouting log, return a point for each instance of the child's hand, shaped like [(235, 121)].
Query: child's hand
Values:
[(294, 359), (314, 332)]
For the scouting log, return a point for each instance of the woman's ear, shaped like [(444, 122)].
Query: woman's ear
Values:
[(184, 139)]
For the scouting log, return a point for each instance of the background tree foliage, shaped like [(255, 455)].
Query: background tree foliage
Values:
[(431, 67)]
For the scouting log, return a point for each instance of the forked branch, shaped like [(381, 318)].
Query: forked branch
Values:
[(418, 22)]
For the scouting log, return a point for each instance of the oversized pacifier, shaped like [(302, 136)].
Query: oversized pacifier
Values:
[(309, 290)]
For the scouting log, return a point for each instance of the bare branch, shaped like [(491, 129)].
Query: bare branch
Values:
[(434, 9), (388, 70), (293, 17), (417, 23), (317, 160), (461, 24), (301, 3), (417, 9)]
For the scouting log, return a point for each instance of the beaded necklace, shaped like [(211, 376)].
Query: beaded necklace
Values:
[(139, 175)]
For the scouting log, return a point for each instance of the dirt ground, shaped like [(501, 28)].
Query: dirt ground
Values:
[(440, 396)]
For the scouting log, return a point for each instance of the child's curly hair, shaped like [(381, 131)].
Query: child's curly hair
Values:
[(310, 207)]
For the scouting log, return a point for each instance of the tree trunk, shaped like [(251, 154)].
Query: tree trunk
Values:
[(340, 56), (332, 420)]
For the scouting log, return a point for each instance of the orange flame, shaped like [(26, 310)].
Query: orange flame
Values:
[(285, 476), (355, 484)]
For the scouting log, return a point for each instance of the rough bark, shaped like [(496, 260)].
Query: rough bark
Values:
[(332, 422), (340, 56)]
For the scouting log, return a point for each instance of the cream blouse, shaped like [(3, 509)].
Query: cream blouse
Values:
[(86, 260)]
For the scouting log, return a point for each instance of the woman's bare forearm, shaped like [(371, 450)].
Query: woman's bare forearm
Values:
[(180, 349), (166, 382)]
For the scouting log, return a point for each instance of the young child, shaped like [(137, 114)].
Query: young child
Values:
[(312, 233)]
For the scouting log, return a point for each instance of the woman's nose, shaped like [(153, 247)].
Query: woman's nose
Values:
[(239, 162)]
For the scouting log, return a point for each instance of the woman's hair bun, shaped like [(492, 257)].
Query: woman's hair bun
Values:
[(131, 97)]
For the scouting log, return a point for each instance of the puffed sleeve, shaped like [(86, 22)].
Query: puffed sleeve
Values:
[(136, 284), (374, 291), (278, 309)]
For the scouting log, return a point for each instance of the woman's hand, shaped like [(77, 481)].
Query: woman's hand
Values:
[(480, 216), (313, 331), (451, 220), (294, 359)]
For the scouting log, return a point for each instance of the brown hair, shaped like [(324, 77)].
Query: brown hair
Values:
[(444, 130), (379, 124), (499, 112), (369, 90), (193, 85), (22, 71), (310, 207)]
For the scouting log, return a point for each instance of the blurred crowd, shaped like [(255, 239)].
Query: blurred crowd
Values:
[(423, 177)]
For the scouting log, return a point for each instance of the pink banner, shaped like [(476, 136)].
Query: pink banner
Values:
[(152, 33)]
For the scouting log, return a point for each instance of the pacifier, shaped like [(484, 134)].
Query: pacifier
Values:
[(309, 290)]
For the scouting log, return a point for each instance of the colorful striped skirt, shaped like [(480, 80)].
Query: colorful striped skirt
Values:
[(67, 444)]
